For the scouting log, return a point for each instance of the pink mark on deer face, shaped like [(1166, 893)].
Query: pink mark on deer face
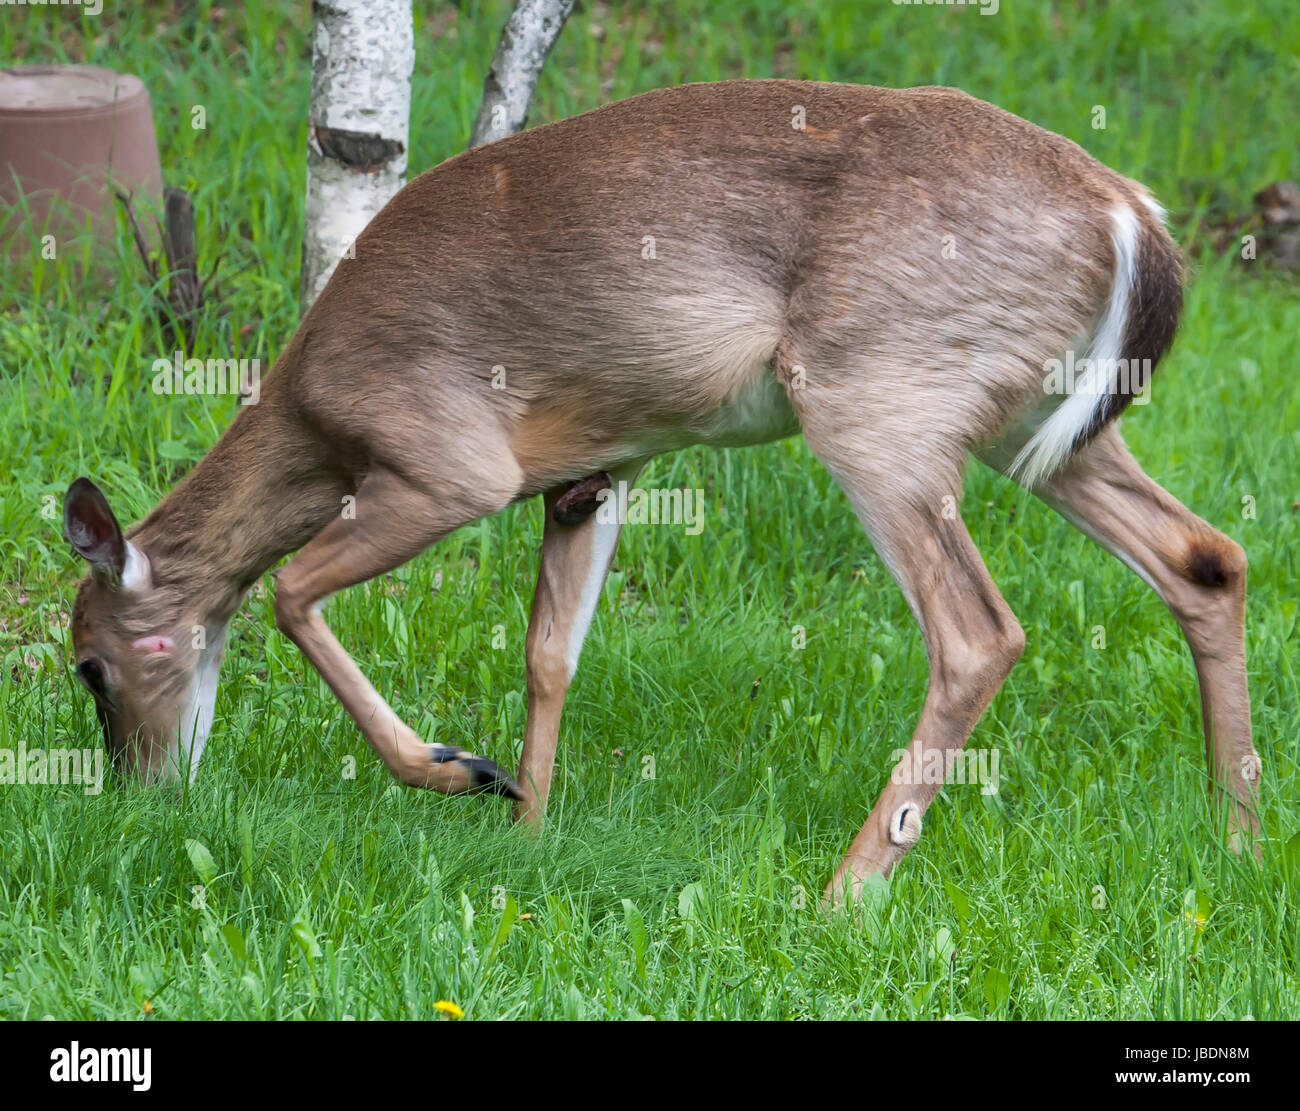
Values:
[(154, 643)]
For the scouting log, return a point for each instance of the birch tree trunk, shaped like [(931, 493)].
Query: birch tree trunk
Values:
[(526, 40), (358, 126)]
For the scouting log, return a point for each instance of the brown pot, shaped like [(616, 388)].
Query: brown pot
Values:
[(68, 136)]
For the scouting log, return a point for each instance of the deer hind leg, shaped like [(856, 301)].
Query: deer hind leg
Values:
[(1201, 576), (575, 562), (906, 495), (395, 521)]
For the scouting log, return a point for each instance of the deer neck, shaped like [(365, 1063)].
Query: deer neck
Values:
[(264, 489)]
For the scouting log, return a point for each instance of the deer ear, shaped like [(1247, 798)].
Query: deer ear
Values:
[(93, 530)]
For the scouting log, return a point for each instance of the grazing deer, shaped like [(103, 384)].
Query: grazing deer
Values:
[(889, 272)]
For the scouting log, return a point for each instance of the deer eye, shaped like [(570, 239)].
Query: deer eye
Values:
[(92, 674)]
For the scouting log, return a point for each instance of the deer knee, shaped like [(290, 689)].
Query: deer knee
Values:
[(548, 669)]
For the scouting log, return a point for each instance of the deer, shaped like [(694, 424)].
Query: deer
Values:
[(887, 272)]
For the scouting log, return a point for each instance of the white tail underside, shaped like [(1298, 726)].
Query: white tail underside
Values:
[(1054, 440)]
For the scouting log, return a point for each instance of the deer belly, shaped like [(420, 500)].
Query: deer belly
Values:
[(758, 412)]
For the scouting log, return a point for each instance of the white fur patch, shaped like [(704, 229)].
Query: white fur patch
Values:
[(604, 541), (196, 719), (905, 825), (1053, 441), (1154, 207), (135, 573)]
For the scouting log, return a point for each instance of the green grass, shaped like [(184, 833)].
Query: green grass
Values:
[(694, 893)]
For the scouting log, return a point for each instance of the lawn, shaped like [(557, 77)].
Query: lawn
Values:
[(711, 773)]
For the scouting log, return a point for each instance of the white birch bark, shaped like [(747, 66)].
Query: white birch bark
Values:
[(526, 40), (358, 127)]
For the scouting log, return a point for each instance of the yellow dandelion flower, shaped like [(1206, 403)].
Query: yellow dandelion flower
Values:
[(447, 1007)]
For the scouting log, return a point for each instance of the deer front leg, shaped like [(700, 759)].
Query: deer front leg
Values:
[(575, 563), (394, 522), (1201, 576)]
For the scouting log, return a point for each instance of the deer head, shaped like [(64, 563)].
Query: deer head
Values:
[(140, 648)]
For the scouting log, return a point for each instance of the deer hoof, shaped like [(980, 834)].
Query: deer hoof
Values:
[(485, 776)]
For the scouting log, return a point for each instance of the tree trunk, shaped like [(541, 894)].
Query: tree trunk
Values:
[(529, 34), (358, 126)]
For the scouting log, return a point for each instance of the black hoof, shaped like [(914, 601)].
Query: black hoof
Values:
[(490, 778), (485, 776)]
